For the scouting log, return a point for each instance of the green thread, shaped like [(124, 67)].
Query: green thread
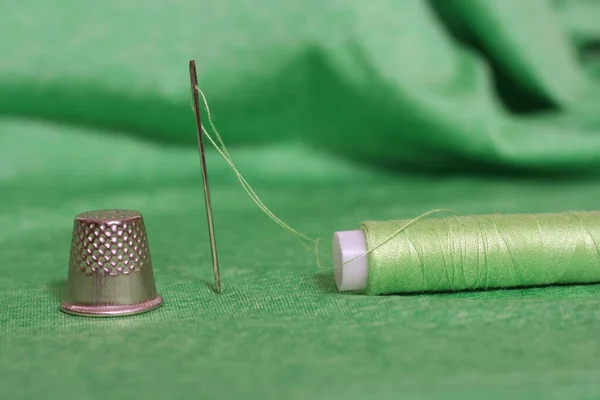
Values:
[(222, 149), (481, 252), (306, 241)]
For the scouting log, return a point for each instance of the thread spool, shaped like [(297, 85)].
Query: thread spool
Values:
[(468, 253)]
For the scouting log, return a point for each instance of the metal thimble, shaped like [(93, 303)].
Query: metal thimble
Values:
[(110, 268)]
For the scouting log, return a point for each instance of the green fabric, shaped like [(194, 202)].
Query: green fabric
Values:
[(313, 97)]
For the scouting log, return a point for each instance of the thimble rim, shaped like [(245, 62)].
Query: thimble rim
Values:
[(108, 215), (87, 310)]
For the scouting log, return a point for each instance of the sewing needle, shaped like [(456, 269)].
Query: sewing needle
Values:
[(209, 216)]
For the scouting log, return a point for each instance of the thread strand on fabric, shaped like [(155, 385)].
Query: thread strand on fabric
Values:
[(305, 240)]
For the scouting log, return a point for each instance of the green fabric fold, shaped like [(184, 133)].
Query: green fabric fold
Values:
[(417, 85)]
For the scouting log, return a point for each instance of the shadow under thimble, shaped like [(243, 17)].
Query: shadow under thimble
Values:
[(110, 268)]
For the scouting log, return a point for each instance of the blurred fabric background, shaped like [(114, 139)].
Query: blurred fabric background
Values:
[(336, 112)]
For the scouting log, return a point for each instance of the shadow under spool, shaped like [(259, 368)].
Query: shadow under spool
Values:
[(469, 252)]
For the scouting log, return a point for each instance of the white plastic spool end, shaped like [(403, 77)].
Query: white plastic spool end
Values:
[(350, 245)]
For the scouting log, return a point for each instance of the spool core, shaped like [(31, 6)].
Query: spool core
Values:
[(350, 275)]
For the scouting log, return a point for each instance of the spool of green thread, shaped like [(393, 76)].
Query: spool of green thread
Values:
[(469, 252)]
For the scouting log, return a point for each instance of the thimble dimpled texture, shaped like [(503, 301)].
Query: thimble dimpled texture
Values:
[(113, 248)]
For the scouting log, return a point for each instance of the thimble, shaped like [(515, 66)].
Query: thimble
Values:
[(110, 268)]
